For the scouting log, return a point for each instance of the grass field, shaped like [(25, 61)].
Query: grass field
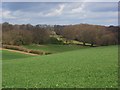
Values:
[(55, 48), (90, 67), (8, 55)]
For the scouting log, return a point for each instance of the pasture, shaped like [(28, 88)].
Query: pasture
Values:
[(55, 48), (8, 55), (81, 68)]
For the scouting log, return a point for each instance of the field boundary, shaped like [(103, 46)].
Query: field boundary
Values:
[(18, 51)]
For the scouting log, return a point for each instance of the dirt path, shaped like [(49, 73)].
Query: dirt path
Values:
[(18, 51)]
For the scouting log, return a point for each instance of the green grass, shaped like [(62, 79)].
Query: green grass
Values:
[(92, 67), (55, 48), (8, 55)]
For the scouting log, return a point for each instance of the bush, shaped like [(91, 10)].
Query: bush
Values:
[(37, 52), (19, 48), (46, 53)]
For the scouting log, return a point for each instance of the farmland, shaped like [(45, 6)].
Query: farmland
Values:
[(8, 55), (81, 67), (55, 48), (59, 45)]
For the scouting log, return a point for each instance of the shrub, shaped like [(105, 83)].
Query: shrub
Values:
[(19, 48), (36, 52), (46, 53)]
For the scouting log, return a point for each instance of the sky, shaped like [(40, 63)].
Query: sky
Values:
[(100, 13)]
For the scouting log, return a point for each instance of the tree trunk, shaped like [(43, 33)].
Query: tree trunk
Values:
[(83, 43)]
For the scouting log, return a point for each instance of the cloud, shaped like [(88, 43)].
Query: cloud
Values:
[(102, 6), (16, 16), (56, 12), (111, 20), (60, 13), (79, 9), (7, 14), (101, 15), (0, 13)]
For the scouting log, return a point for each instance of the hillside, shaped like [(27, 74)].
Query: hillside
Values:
[(52, 48), (91, 67)]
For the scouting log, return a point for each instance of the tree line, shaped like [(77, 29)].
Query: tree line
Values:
[(40, 34), (93, 34), (24, 34)]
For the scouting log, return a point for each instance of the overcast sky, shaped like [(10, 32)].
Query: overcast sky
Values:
[(101, 13)]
